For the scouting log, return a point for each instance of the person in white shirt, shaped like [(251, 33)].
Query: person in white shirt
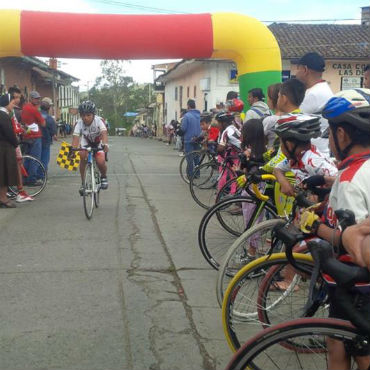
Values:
[(318, 92), (91, 130), (259, 109)]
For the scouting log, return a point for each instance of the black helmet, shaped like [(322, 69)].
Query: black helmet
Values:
[(300, 127), (87, 107), (206, 117), (351, 107), (224, 117)]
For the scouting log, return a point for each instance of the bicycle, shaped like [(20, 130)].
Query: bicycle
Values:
[(235, 215), (91, 182), (288, 345), (35, 185), (205, 180)]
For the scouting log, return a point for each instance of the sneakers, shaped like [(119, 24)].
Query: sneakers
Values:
[(104, 183), (23, 197), (81, 190), (181, 154), (33, 183)]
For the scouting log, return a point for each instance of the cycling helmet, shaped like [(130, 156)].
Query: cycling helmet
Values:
[(224, 117), (300, 127), (351, 107), (87, 107), (235, 105)]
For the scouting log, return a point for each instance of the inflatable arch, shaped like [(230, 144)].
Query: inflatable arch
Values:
[(243, 39)]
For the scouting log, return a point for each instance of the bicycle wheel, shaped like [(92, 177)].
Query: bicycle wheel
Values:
[(224, 223), (240, 314), (265, 350), (203, 184), (230, 189), (200, 155), (255, 241), (88, 194), (97, 184), (35, 185)]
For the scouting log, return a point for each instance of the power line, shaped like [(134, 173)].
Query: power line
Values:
[(171, 11)]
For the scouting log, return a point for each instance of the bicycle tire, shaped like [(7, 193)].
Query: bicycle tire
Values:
[(235, 258), (241, 297), (216, 234), (266, 345), (42, 177), (88, 196), (224, 192), (203, 184), (184, 164), (97, 184)]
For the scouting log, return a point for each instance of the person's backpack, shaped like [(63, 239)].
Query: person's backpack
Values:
[(261, 114)]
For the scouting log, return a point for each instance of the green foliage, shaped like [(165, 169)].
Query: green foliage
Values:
[(115, 93)]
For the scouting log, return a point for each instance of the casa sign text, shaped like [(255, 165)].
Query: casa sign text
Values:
[(348, 69)]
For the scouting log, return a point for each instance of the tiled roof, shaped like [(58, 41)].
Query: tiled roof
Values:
[(329, 40)]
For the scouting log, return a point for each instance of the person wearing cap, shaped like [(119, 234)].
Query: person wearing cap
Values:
[(33, 119), (309, 71), (48, 131)]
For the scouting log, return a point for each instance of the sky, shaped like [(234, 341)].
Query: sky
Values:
[(265, 10)]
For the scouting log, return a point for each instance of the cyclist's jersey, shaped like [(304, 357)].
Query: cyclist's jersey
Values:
[(89, 134), (231, 136), (351, 189), (311, 163)]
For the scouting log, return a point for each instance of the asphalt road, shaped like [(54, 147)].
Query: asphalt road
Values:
[(127, 290)]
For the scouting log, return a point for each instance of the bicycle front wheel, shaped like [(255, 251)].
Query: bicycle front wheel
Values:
[(88, 194), (252, 244), (266, 350), (241, 305), (199, 156), (34, 176)]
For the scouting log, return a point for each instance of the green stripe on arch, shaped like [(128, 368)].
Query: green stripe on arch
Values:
[(252, 80)]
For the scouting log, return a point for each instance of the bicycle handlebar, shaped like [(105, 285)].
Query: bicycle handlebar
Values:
[(256, 178)]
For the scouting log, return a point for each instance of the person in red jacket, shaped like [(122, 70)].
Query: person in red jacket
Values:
[(33, 119)]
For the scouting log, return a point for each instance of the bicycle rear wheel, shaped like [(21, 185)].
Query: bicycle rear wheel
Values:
[(35, 185), (229, 190), (88, 194), (266, 350), (203, 184), (200, 156)]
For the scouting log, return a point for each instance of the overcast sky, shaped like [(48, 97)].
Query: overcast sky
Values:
[(265, 10)]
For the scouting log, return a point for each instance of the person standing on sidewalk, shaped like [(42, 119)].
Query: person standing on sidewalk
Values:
[(33, 119), (190, 127), (48, 132)]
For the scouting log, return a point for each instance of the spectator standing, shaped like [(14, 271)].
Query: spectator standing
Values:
[(309, 71), (48, 132), (33, 119), (8, 143), (259, 109), (190, 127)]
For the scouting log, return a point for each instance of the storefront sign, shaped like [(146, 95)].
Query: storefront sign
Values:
[(349, 69), (350, 83)]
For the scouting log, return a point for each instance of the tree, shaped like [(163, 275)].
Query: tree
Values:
[(116, 93)]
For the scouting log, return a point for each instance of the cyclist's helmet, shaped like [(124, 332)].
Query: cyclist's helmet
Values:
[(298, 127), (87, 107), (224, 117), (350, 107), (235, 105)]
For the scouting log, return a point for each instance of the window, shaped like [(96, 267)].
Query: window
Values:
[(195, 91), (180, 96), (175, 93), (188, 92)]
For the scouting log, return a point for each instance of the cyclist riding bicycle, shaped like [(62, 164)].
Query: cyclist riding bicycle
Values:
[(90, 130)]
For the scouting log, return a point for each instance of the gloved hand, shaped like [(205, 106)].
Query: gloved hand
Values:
[(241, 181), (309, 222)]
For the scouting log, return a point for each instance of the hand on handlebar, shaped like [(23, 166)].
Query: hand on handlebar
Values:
[(241, 181), (105, 148), (309, 222)]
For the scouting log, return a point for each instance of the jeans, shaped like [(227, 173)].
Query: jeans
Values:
[(45, 156), (193, 160), (31, 168)]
